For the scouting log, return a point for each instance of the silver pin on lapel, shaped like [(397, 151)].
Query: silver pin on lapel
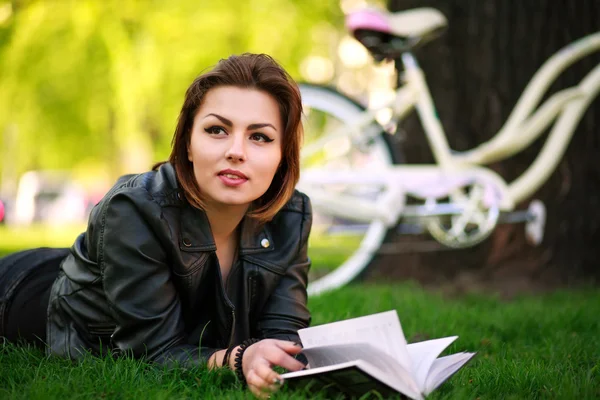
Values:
[(265, 243)]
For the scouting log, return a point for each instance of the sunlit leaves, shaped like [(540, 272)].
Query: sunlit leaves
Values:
[(101, 82)]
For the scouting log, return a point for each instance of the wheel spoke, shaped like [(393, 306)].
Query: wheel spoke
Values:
[(328, 114), (470, 227)]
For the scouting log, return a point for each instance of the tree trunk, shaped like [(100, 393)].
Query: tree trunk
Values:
[(476, 71)]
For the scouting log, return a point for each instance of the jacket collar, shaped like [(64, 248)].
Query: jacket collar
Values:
[(255, 238), (196, 234), (195, 229)]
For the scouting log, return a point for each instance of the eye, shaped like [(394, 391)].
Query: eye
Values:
[(260, 137), (215, 130)]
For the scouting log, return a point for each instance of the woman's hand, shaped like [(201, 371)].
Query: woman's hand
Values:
[(259, 359)]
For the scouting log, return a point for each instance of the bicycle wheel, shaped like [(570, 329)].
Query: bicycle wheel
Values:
[(341, 249)]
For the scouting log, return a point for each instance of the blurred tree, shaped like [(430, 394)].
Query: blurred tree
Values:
[(97, 85), (476, 72)]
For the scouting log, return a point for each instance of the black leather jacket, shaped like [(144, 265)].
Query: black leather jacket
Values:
[(144, 278)]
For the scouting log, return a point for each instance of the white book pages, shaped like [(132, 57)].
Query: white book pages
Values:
[(337, 354), (319, 370), (370, 370), (443, 368), (423, 354), (382, 331)]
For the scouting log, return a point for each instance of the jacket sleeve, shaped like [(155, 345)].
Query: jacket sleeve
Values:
[(137, 282), (286, 311)]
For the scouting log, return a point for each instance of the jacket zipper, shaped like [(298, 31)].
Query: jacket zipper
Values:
[(232, 307), (227, 301), (232, 329), (101, 329), (251, 295)]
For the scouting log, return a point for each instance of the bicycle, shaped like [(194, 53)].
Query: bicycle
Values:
[(359, 187)]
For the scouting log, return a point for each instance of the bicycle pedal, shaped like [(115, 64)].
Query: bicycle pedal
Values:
[(534, 228)]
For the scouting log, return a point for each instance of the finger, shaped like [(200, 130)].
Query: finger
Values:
[(256, 381), (288, 347), (258, 393), (270, 389), (283, 359), (263, 392), (273, 379)]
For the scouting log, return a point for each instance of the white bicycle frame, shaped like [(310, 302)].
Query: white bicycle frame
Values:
[(453, 170)]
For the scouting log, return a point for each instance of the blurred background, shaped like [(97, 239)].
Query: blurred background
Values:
[(91, 89)]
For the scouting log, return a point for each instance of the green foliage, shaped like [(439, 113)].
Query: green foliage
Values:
[(86, 82)]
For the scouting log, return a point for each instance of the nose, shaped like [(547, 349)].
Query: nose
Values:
[(237, 149)]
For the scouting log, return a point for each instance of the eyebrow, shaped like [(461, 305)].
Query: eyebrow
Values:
[(230, 124)]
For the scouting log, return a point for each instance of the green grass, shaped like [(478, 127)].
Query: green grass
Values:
[(533, 347), (328, 251), (14, 239), (545, 347)]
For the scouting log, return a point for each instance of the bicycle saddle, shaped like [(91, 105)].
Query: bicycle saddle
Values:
[(388, 35)]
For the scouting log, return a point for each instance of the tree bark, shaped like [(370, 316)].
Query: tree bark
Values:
[(476, 72)]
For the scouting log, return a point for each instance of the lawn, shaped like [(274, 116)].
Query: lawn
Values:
[(14, 239), (533, 347)]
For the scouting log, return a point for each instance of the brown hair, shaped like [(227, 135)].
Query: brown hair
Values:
[(252, 71)]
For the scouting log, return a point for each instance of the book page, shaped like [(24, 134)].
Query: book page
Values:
[(382, 331), (443, 368), (339, 353), (423, 354), (348, 378)]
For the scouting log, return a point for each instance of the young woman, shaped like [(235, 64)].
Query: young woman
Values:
[(201, 260)]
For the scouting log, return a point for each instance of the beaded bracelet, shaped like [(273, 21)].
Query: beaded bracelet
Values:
[(227, 356), (239, 356)]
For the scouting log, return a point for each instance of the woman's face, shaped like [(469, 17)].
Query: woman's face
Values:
[(235, 145)]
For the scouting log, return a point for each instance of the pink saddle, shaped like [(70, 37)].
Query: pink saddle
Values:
[(387, 34)]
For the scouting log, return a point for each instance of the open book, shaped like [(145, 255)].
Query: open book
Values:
[(368, 353)]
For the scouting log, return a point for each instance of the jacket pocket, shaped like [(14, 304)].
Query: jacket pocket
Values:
[(103, 330), (191, 264), (277, 269)]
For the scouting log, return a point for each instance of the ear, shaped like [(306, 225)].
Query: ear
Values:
[(189, 153)]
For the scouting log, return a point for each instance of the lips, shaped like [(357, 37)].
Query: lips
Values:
[(232, 178), (233, 174)]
